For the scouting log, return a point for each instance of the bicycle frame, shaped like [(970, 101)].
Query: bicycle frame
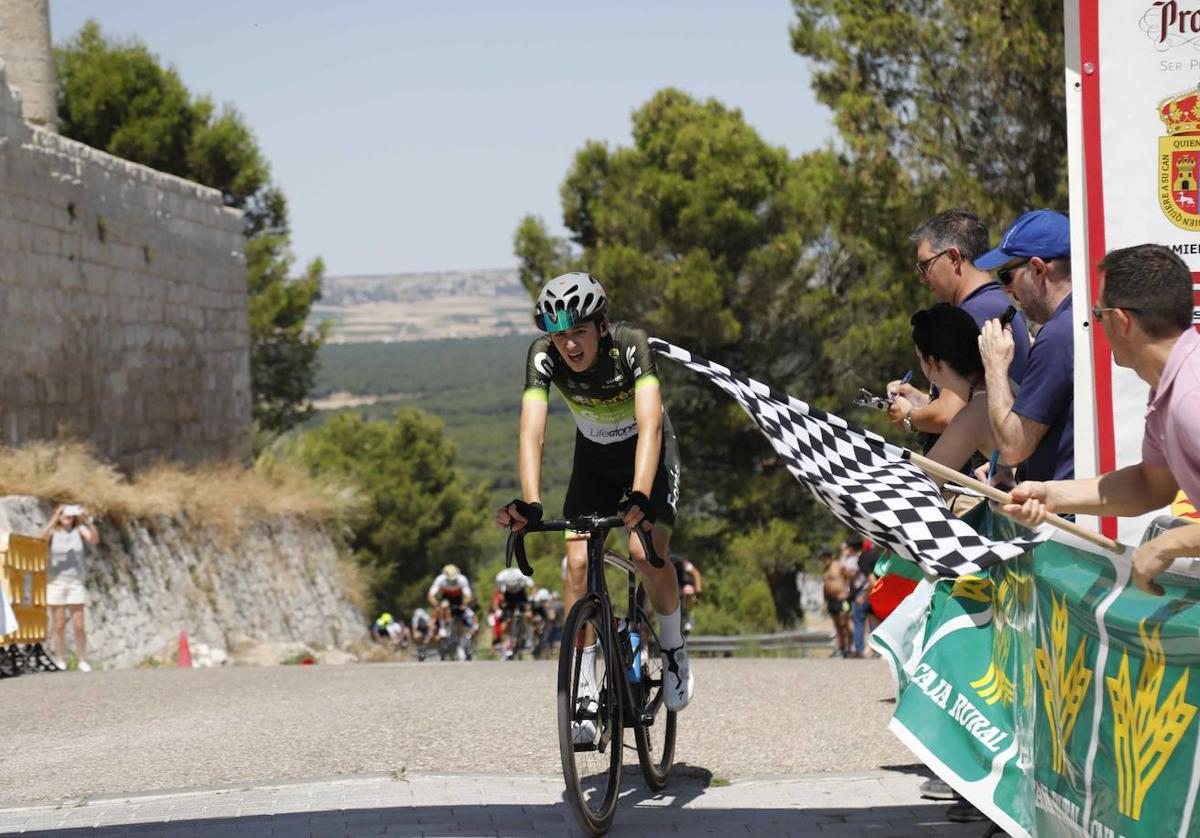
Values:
[(597, 529)]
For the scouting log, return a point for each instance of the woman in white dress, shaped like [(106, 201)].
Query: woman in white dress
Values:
[(65, 590)]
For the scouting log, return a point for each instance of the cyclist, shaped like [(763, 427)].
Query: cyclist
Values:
[(512, 597), (422, 631), (625, 452), (380, 628), (691, 585), (453, 586)]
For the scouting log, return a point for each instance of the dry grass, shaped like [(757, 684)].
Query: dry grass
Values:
[(228, 496)]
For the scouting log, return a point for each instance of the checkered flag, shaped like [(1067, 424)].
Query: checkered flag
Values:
[(870, 484)]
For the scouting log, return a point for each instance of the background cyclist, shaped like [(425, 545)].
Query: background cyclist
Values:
[(422, 631), (453, 586), (512, 597), (625, 452), (691, 585)]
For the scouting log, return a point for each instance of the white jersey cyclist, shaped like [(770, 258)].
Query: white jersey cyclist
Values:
[(512, 581)]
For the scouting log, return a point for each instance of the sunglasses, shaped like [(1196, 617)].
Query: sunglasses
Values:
[(1098, 312), (1005, 275), (925, 264)]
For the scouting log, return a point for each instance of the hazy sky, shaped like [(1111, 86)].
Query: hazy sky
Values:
[(413, 136)]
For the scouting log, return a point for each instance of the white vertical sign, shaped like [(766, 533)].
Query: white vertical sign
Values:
[(1133, 99)]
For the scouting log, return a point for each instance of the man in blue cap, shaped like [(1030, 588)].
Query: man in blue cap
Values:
[(1036, 428)]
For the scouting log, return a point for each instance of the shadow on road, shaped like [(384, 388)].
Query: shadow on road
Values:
[(647, 816)]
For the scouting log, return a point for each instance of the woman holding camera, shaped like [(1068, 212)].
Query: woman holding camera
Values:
[(65, 590)]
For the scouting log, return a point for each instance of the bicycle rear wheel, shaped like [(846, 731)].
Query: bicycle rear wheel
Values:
[(589, 719), (656, 737)]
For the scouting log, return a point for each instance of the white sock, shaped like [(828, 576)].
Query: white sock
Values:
[(587, 668), (669, 635)]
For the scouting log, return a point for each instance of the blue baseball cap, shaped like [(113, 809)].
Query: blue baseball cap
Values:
[(1042, 233)]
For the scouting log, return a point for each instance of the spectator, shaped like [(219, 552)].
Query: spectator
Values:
[(1145, 308), (837, 602), (1036, 429), (947, 246), (858, 580), (947, 344), (65, 590)]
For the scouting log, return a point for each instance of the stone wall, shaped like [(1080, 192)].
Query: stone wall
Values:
[(279, 583), (122, 303)]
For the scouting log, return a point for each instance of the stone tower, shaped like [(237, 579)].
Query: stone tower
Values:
[(28, 58)]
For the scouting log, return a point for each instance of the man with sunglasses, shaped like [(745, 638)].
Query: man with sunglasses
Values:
[(1036, 428), (1145, 308), (947, 246), (626, 457)]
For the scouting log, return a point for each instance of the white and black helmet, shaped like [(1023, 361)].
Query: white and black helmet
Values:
[(568, 300)]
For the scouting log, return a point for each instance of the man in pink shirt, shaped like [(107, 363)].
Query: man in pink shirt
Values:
[(1145, 309)]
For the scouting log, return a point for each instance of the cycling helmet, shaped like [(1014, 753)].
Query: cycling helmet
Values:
[(451, 571), (569, 300)]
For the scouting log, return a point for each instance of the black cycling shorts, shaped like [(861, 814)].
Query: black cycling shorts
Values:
[(601, 475), (515, 599)]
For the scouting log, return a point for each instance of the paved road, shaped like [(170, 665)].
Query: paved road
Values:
[(75, 735), (830, 806)]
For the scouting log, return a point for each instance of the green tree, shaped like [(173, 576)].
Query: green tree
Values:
[(800, 271), (421, 512), (699, 233), (937, 104), (117, 96)]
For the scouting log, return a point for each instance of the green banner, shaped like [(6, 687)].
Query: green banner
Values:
[(1053, 695)]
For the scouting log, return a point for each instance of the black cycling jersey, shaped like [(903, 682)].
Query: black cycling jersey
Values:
[(602, 403)]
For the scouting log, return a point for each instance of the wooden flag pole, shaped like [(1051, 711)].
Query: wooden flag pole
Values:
[(992, 493)]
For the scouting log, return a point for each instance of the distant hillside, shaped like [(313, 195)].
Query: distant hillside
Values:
[(424, 306)]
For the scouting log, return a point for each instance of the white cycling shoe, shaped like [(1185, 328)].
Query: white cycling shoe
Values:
[(678, 683)]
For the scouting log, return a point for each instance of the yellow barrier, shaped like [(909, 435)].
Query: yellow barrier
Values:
[(26, 559)]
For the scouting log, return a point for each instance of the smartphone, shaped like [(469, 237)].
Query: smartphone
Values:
[(1007, 316), (868, 399)]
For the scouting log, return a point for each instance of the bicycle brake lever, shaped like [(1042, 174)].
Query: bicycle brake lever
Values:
[(516, 547), (648, 546)]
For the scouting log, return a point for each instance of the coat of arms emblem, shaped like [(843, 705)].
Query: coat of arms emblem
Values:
[(1179, 159)]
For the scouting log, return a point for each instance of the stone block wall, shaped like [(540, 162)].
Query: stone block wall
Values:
[(122, 303)]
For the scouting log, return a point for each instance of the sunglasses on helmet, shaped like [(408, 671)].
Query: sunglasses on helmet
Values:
[(561, 320)]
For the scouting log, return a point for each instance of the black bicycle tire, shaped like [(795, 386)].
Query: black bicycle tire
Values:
[(516, 635), (592, 825), (656, 775)]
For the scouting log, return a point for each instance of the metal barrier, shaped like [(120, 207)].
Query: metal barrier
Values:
[(24, 566), (807, 643)]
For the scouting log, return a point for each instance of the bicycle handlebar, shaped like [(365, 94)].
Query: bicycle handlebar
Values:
[(583, 524)]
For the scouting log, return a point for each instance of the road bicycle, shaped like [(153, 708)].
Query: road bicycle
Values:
[(624, 687)]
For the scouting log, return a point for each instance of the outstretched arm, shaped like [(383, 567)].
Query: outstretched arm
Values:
[(533, 436), (1130, 491), (647, 408)]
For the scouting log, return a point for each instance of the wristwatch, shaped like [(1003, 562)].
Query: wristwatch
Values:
[(908, 425)]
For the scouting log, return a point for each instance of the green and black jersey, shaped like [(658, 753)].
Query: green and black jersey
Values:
[(601, 399), (602, 402)]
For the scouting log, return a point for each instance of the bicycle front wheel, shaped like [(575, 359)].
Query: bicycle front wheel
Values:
[(589, 718)]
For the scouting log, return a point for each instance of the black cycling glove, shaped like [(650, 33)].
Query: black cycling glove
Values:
[(531, 512), (641, 502)]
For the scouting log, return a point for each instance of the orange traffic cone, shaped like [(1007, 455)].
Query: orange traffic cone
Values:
[(185, 652)]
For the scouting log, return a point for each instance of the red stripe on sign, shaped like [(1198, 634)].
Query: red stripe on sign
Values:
[(1093, 166)]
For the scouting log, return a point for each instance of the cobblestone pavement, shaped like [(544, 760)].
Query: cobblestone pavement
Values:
[(882, 803)]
